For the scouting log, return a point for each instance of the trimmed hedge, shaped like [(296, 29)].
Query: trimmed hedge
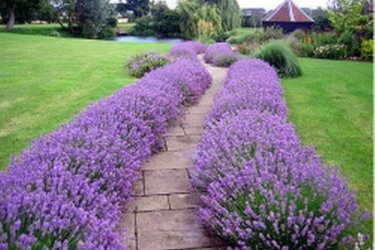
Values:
[(260, 187), (68, 189)]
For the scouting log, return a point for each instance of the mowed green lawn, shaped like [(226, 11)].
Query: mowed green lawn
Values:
[(45, 81), (331, 105)]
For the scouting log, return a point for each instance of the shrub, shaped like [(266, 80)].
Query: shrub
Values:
[(188, 75), (260, 187), (215, 49), (54, 33), (143, 27), (324, 38), (222, 36), (331, 51), (68, 190), (281, 57), (272, 33), (141, 64), (306, 50), (247, 49), (367, 49), (187, 50), (226, 59), (261, 92), (257, 36), (349, 39)]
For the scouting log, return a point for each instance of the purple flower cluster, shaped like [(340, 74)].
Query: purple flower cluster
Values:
[(221, 55), (250, 85), (187, 49), (226, 59), (68, 189), (260, 187)]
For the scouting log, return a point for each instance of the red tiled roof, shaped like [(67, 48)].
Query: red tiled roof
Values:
[(288, 11)]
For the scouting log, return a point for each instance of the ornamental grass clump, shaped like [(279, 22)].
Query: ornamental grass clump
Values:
[(68, 189), (216, 49), (280, 56), (260, 187), (139, 65)]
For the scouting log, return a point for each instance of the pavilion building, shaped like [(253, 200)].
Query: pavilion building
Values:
[(289, 17)]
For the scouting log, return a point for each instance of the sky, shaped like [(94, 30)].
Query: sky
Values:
[(269, 4)]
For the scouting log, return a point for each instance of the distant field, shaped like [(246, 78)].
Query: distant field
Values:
[(331, 105), (45, 81)]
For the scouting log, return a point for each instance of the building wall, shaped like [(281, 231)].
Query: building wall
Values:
[(288, 27)]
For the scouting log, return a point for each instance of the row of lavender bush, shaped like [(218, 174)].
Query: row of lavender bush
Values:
[(68, 189), (260, 187), (221, 55)]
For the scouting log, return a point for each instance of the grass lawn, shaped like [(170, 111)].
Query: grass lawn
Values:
[(36, 29), (241, 35), (125, 26), (45, 81), (331, 105)]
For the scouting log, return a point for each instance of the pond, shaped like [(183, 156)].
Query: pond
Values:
[(145, 39)]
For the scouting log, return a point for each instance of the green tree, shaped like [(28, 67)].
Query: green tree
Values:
[(321, 21), (139, 7), (93, 17), (20, 11), (229, 11), (194, 12), (166, 22), (88, 18), (188, 18), (347, 15)]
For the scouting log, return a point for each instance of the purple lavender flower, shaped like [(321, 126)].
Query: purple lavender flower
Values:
[(68, 189), (216, 49), (187, 50), (261, 188), (226, 58)]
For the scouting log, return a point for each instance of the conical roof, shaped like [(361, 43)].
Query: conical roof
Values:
[(288, 11)]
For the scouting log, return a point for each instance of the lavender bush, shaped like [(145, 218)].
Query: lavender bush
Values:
[(67, 190), (248, 88), (141, 64), (187, 50), (261, 188), (226, 59), (216, 49)]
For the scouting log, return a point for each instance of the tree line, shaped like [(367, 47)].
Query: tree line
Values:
[(95, 18)]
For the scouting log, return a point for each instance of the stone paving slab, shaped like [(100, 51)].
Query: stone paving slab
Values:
[(176, 131), (128, 222), (182, 201), (175, 143), (201, 109), (166, 181), (138, 189), (167, 160), (194, 130), (149, 203), (194, 119), (173, 229), (164, 208)]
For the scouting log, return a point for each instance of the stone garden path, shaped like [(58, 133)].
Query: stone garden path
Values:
[(163, 214)]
